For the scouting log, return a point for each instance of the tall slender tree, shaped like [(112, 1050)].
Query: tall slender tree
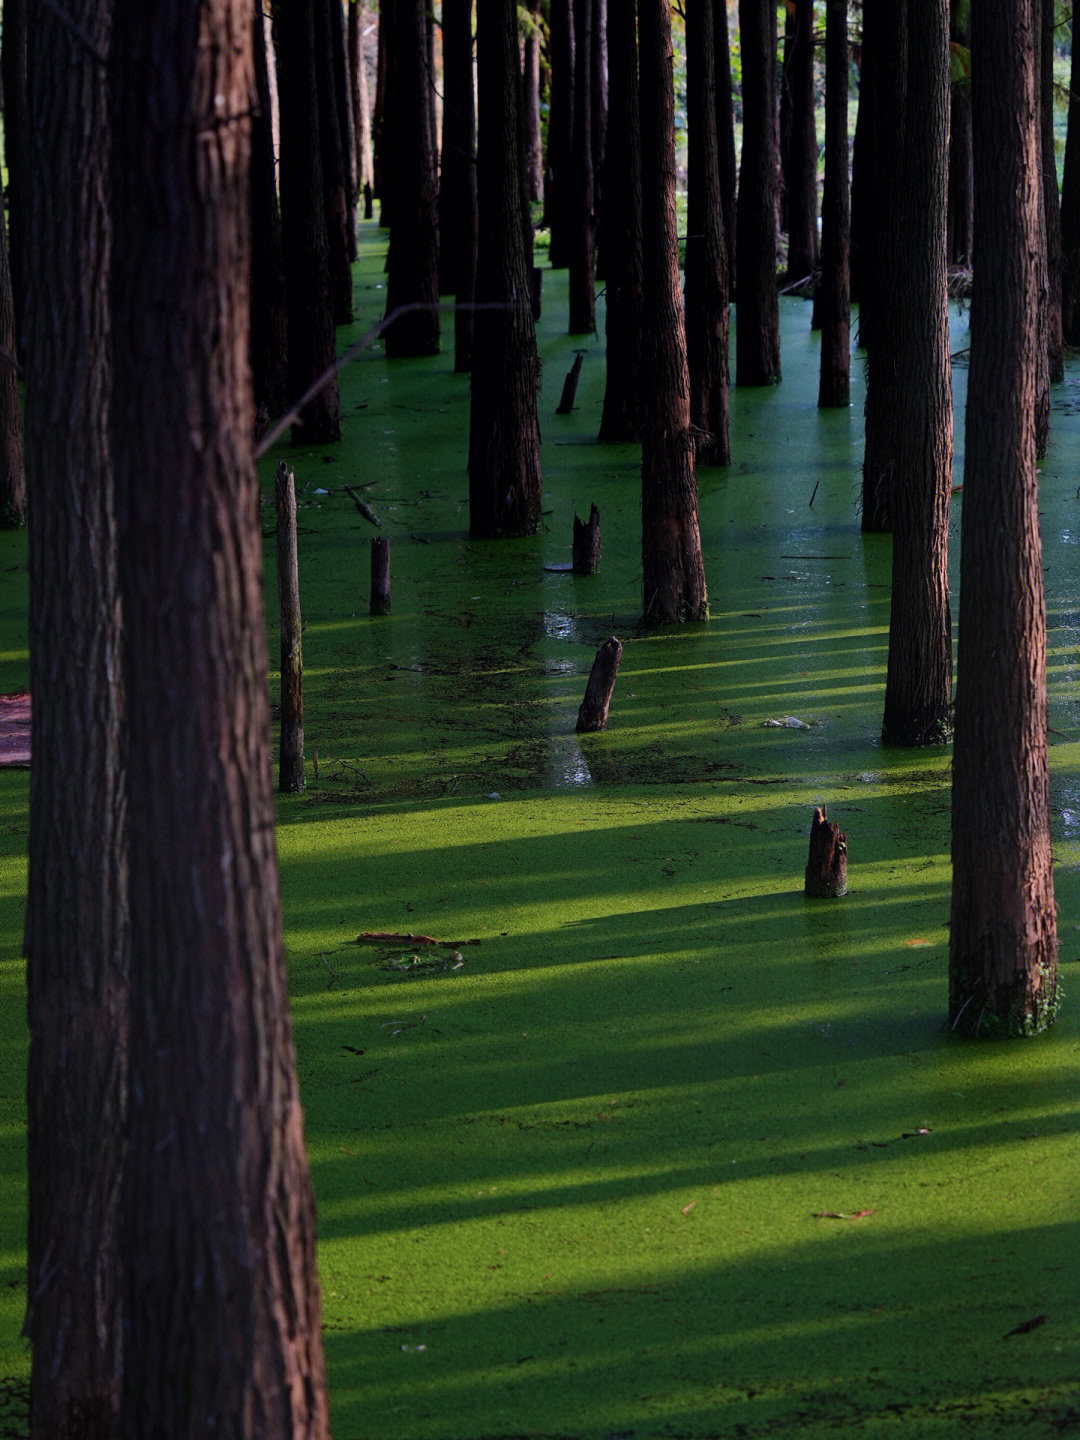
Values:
[(800, 188), (832, 303), (725, 132), (1003, 928), (533, 138), (269, 302), (582, 245), (12, 471), (76, 919), (221, 1325), (706, 248), (1051, 199), (960, 157), (558, 187), (331, 80), (16, 146), (504, 430), (1070, 203), (457, 190), (757, 311), (673, 571)]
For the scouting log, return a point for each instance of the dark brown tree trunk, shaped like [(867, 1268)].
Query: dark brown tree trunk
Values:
[(380, 603), (12, 472), (558, 185), (757, 313), (800, 187), (331, 83), (832, 302), (1070, 207), (412, 263), (598, 93), (365, 168), (960, 157), (457, 184), (220, 1300), (16, 150), (1003, 929), (706, 249), (725, 133), (826, 861), (673, 572), (586, 547), (291, 719), (504, 432), (1052, 334), (380, 125), (865, 209), (534, 149), (303, 227), (596, 702), (918, 687), (623, 265), (77, 919), (582, 248), (882, 278), (1043, 359), (269, 308)]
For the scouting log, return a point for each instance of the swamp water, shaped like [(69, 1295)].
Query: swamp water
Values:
[(671, 1151)]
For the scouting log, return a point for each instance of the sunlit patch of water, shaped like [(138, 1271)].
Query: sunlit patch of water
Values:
[(562, 627)]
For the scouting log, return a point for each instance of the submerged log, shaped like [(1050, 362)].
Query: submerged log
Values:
[(594, 707), (569, 389), (380, 575), (587, 544), (826, 865)]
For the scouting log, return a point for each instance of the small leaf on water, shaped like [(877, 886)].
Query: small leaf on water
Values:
[(687, 1208)]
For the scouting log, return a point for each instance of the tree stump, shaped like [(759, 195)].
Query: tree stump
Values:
[(587, 544), (826, 865), (594, 707), (380, 576), (569, 389), (291, 759)]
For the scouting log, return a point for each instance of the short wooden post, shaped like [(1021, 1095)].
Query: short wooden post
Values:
[(826, 865), (594, 707), (569, 389), (380, 576), (587, 544), (291, 767)]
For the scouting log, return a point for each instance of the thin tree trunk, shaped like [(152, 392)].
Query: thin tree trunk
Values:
[(457, 185), (340, 219), (1003, 929), (706, 250), (1055, 350), (621, 417), (801, 184), (960, 157), (534, 149), (291, 719), (1070, 206), (673, 572), (582, 249), (269, 305), (725, 133), (833, 300), (16, 150), (12, 472), (865, 208), (221, 1304), (365, 169), (380, 126), (504, 432), (757, 313), (558, 188)]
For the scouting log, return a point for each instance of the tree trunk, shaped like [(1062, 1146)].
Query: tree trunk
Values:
[(800, 186), (865, 208), (221, 1304), (330, 82), (12, 472), (960, 157), (77, 918), (826, 861), (833, 300), (558, 188), (269, 309), (291, 720), (582, 249), (1055, 349), (303, 227), (412, 264), (504, 432), (706, 249), (918, 687), (598, 95), (365, 167), (457, 185), (1003, 930), (534, 148), (673, 572), (586, 547), (757, 313), (596, 702), (725, 132), (16, 151), (1070, 208), (623, 264), (380, 125)]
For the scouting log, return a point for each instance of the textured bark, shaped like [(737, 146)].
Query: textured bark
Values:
[(826, 861), (16, 149), (504, 432), (330, 81), (800, 187), (221, 1306), (269, 306), (582, 245), (12, 472), (757, 312), (673, 572), (534, 149), (706, 249), (76, 920), (291, 721), (598, 92), (457, 179), (303, 222), (412, 263), (1003, 930), (558, 188), (596, 702), (1051, 204), (832, 303), (725, 132), (623, 264), (365, 164), (586, 548), (918, 686), (960, 156), (1070, 209), (865, 211)]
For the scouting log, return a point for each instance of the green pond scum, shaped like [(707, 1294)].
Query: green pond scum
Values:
[(648, 1144)]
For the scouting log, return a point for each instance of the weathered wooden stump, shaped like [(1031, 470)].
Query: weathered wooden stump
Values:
[(380, 575), (291, 766), (569, 389), (594, 707), (826, 865), (587, 544)]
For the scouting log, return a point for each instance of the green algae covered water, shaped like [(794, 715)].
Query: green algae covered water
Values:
[(651, 1145)]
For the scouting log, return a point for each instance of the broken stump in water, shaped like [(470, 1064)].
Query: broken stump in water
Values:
[(569, 389), (826, 865), (587, 544), (594, 707), (380, 576)]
